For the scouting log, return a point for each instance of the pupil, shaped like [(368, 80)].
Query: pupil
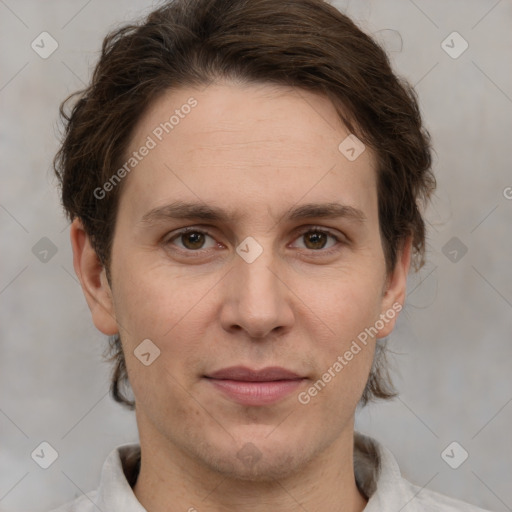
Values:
[(317, 239), (193, 240)]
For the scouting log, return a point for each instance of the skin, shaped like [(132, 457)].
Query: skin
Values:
[(257, 151)]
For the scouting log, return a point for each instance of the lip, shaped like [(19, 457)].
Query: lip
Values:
[(242, 373), (255, 387)]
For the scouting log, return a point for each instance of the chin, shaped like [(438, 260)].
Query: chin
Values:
[(252, 464), (263, 456)]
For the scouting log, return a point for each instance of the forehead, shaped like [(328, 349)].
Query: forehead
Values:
[(246, 144)]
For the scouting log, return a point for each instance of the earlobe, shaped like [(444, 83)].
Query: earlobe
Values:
[(92, 276), (396, 285)]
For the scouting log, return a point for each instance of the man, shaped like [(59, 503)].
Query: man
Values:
[(244, 179)]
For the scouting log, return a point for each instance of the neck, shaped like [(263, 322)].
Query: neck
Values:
[(170, 476)]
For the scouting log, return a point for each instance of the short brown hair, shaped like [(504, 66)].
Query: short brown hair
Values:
[(307, 44)]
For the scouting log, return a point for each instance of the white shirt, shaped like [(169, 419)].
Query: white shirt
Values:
[(376, 471)]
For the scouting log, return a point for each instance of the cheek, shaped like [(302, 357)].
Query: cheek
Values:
[(347, 305), (156, 304), (348, 311), (346, 355), (151, 301)]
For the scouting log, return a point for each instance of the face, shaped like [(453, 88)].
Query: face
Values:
[(245, 238)]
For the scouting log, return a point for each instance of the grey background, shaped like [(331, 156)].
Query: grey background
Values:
[(453, 341)]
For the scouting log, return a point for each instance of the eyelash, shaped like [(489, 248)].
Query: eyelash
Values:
[(309, 229)]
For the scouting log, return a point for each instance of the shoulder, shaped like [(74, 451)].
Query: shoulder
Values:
[(430, 501), (119, 471), (379, 477), (81, 504)]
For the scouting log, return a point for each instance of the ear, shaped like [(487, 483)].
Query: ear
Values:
[(394, 293), (93, 278)]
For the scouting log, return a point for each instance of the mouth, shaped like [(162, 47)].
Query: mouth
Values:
[(246, 386)]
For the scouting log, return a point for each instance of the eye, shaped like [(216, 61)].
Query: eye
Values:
[(316, 239), (192, 239)]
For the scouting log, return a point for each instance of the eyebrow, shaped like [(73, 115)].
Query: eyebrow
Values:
[(202, 211)]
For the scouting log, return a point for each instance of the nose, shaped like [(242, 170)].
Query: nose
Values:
[(256, 298)]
